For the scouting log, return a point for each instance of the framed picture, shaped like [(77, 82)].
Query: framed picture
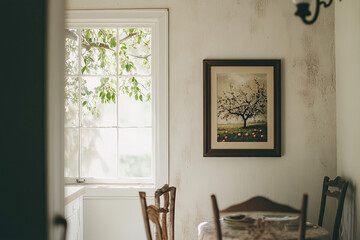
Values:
[(242, 108)]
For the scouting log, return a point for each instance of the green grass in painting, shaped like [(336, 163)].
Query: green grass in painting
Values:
[(254, 132)]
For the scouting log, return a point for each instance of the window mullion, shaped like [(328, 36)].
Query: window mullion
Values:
[(90, 75), (117, 101), (80, 107)]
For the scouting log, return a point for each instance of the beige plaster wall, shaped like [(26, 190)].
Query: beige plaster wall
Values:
[(347, 42), (200, 29)]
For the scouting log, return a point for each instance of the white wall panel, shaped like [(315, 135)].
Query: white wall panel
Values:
[(113, 218)]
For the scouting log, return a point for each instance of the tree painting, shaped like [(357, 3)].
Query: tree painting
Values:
[(242, 107)]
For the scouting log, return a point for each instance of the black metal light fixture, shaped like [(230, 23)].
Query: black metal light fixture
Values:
[(303, 9)]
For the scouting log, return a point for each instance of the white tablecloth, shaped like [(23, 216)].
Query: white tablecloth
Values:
[(206, 231)]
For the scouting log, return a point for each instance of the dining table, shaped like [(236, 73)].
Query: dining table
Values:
[(273, 228)]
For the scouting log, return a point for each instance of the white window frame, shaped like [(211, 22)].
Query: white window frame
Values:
[(157, 19)]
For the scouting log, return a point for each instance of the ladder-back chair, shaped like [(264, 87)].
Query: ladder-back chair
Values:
[(340, 185), (162, 214)]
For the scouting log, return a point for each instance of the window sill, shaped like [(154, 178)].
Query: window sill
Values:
[(109, 191)]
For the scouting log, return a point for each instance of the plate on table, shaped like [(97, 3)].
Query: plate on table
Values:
[(239, 218), (280, 217)]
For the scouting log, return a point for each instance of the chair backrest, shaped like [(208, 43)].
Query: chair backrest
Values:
[(162, 216), (340, 185), (260, 204)]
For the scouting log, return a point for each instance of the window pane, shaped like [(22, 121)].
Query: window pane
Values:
[(134, 112), (108, 102), (71, 102), (135, 51), (98, 96), (135, 151), (142, 65), (71, 51), (98, 148), (98, 51), (71, 155)]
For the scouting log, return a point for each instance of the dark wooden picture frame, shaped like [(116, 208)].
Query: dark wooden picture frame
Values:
[(242, 108)]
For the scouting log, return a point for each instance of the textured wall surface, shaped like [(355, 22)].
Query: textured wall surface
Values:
[(347, 42), (200, 29)]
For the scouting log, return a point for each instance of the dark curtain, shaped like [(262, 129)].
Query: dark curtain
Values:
[(22, 134)]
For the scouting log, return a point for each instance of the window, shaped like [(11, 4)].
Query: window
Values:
[(116, 97)]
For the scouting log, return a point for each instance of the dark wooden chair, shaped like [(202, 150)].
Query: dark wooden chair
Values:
[(260, 204), (162, 216), (340, 186)]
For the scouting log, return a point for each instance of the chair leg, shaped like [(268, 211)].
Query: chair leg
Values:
[(216, 217), (302, 227)]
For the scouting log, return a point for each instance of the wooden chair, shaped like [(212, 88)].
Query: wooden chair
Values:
[(340, 185), (260, 204), (160, 215)]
